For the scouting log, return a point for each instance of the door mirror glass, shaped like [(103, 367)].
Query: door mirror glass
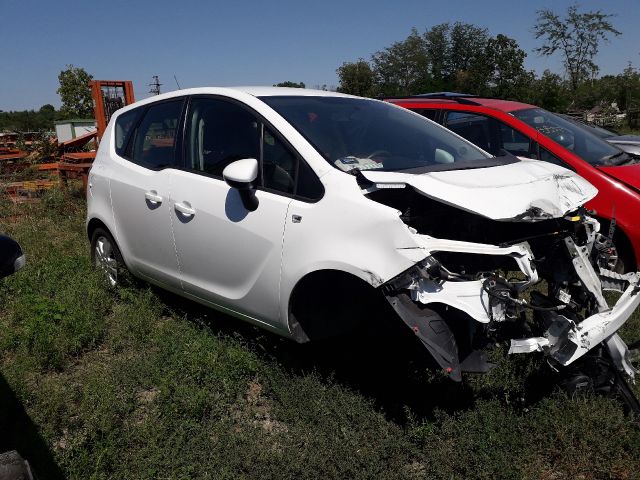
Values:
[(242, 175)]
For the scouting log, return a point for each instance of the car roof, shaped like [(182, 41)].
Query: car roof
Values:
[(495, 103), (255, 91)]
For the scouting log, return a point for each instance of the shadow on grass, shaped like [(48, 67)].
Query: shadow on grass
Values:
[(385, 363), (18, 432)]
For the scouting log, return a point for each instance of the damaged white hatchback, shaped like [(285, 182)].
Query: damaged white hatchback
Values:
[(300, 210)]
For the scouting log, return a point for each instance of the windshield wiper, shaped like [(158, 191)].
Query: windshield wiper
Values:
[(604, 161)]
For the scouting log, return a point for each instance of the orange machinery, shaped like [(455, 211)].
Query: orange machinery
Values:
[(109, 96)]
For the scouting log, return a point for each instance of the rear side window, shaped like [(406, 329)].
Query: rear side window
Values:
[(154, 143), (124, 124)]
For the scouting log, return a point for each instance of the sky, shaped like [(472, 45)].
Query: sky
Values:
[(246, 42)]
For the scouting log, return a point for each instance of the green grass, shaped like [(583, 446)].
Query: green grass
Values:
[(135, 383)]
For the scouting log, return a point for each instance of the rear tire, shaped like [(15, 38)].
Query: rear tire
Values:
[(106, 256)]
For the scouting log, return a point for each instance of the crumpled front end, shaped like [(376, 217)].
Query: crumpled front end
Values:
[(536, 281), (553, 305)]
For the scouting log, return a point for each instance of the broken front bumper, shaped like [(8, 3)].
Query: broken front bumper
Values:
[(415, 294), (565, 341)]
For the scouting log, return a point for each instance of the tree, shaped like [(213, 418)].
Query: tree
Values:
[(290, 84), (437, 48), (549, 91), (470, 69), (577, 37), (75, 93), (506, 61), (402, 68), (356, 78)]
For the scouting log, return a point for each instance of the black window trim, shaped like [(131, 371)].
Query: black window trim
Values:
[(264, 123), (177, 154)]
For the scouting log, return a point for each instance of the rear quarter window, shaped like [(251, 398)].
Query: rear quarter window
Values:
[(123, 127)]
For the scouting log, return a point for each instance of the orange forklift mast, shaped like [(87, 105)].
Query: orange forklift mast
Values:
[(109, 96)]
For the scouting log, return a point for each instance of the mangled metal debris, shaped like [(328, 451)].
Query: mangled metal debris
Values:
[(534, 279)]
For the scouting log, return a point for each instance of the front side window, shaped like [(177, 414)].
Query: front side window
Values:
[(488, 133), (546, 156), (478, 129), (572, 137), (154, 143), (513, 141), (220, 132), (353, 133), (278, 164)]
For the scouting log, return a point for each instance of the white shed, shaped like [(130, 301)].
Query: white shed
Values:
[(74, 127)]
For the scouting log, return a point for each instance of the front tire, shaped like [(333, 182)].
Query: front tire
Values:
[(106, 256)]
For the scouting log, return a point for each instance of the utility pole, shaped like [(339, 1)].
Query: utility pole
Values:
[(155, 85)]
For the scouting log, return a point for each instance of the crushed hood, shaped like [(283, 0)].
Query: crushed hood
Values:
[(526, 190)]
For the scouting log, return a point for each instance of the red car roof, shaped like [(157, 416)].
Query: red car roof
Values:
[(502, 105)]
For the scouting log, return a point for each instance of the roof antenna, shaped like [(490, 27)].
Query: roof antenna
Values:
[(177, 83)]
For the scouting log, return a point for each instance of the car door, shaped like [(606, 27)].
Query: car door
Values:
[(140, 186), (230, 256)]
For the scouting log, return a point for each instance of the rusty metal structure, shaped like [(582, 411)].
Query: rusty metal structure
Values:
[(109, 96), (72, 160)]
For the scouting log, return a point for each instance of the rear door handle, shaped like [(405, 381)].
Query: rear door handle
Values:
[(153, 196), (185, 209)]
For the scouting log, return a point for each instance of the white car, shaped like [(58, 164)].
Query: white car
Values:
[(307, 211)]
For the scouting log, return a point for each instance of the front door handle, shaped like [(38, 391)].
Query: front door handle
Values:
[(185, 209), (153, 197)]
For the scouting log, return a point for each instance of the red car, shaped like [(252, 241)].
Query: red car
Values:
[(528, 131)]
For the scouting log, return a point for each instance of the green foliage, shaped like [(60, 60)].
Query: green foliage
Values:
[(465, 58), (458, 57), (290, 84), (29, 120), (549, 91), (135, 383), (356, 78), (577, 37), (401, 68), (75, 93)]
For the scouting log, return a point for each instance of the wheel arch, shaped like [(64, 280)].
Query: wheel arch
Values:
[(95, 223), (620, 237), (329, 302)]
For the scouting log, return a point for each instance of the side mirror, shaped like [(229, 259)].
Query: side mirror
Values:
[(11, 257), (242, 175)]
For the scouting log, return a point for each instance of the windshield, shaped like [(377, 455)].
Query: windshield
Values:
[(354, 133), (580, 141)]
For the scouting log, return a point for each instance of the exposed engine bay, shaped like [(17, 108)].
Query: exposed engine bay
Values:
[(536, 280)]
